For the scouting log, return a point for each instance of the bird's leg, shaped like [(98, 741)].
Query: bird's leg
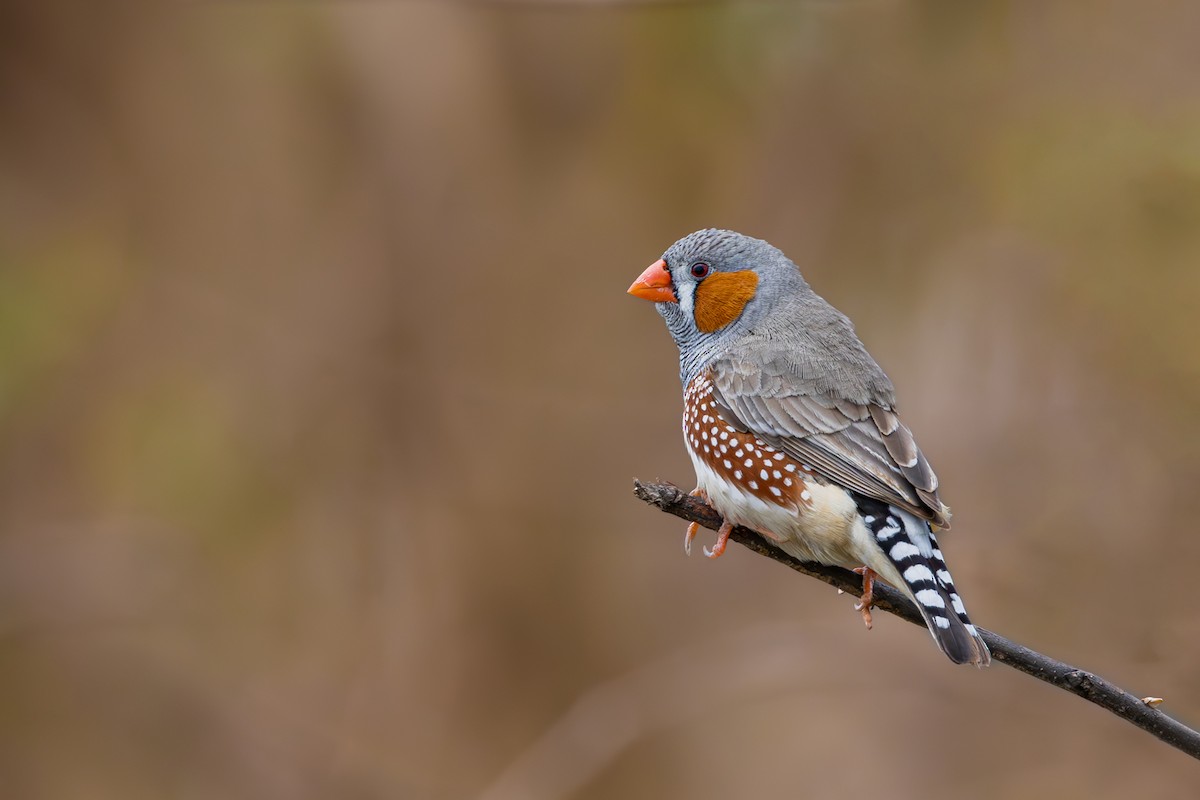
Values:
[(864, 604), (774, 537), (722, 540), (694, 527)]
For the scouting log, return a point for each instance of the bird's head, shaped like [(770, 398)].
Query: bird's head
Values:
[(714, 287)]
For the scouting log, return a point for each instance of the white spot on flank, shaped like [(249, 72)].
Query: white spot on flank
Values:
[(775, 491), (706, 449), (727, 464), (713, 431), (776, 473), (724, 449), (805, 496), (769, 463), (757, 453), (787, 481), (704, 406), (753, 485), (724, 435), (930, 598), (903, 550), (737, 473), (733, 442), (739, 453), (696, 426), (790, 467), (918, 572), (749, 462), (764, 475), (941, 622)]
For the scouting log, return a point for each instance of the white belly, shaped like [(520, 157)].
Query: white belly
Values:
[(827, 529)]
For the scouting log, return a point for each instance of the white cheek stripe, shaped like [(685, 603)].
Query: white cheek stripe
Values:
[(687, 299)]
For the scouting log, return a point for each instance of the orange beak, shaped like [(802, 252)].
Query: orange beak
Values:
[(654, 284)]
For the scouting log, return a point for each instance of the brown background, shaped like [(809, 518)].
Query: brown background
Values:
[(320, 395)]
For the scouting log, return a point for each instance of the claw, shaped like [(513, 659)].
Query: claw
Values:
[(864, 604), (722, 541), (694, 527), (722, 535), (692, 530)]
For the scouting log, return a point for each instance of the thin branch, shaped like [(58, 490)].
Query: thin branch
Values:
[(1076, 681)]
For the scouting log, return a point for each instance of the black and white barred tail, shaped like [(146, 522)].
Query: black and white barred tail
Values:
[(911, 548)]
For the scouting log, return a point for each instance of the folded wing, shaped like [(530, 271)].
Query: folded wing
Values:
[(860, 445)]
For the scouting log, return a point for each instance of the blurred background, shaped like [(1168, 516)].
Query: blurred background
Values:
[(321, 397)]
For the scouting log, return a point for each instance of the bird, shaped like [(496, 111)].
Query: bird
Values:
[(793, 431)]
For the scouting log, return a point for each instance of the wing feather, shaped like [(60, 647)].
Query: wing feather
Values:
[(861, 446)]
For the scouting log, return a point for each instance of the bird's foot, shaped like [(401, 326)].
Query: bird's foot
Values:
[(864, 604), (694, 527), (722, 540)]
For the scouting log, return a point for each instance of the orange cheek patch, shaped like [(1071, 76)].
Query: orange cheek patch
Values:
[(721, 297)]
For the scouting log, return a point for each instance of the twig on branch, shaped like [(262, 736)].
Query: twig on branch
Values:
[(1076, 681)]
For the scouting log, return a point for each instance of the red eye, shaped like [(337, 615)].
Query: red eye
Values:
[(700, 269)]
